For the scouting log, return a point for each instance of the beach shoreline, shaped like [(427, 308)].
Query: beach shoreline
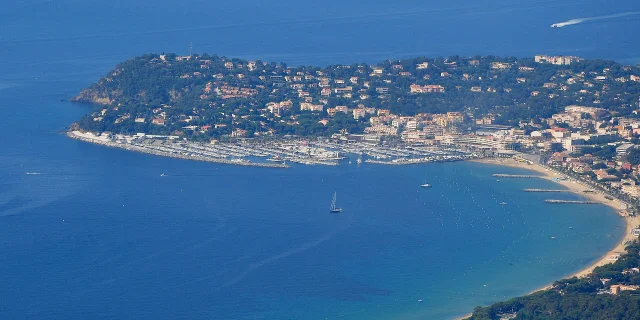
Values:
[(577, 188)]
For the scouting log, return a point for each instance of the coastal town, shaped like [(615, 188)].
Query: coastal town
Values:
[(210, 98), (579, 117)]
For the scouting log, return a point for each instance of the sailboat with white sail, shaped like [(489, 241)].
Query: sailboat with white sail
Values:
[(425, 184), (333, 208)]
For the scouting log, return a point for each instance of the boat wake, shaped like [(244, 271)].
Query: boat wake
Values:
[(285, 254), (581, 20)]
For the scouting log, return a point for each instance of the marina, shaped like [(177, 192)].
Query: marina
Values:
[(275, 153), (171, 151)]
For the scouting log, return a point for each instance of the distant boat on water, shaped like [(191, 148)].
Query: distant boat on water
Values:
[(425, 184), (163, 175), (33, 173), (503, 203), (333, 208)]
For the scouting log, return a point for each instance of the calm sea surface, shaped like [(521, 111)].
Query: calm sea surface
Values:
[(98, 234)]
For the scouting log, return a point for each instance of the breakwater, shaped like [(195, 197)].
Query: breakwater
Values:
[(417, 160), (131, 147), (570, 201), (504, 175), (545, 190)]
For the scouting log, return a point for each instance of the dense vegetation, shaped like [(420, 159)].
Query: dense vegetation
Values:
[(192, 92), (575, 298), (633, 156)]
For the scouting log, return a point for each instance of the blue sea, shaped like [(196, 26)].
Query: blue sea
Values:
[(96, 233)]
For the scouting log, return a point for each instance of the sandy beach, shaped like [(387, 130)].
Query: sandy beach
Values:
[(575, 187), (578, 188)]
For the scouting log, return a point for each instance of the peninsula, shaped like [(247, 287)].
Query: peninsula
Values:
[(212, 108)]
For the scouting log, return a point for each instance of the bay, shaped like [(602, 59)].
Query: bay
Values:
[(99, 234)]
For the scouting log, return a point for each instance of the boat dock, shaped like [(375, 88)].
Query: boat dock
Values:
[(272, 153), (171, 150), (571, 201), (504, 175), (545, 190)]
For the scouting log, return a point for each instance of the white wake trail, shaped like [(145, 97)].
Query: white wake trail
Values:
[(581, 20)]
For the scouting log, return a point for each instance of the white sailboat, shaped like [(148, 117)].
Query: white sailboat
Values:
[(425, 184), (333, 208)]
